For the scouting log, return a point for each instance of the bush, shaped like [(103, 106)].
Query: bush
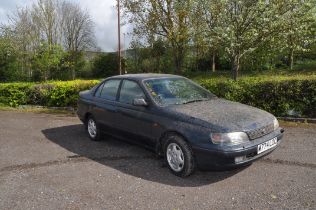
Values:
[(54, 94), (66, 93), (14, 94), (105, 65), (280, 96)]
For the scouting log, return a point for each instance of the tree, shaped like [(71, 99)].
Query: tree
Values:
[(46, 61), (168, 19), (72, 65), (8, 60), (246, 25), (105, 65), (135, 61), (45, 16), (26, 37), (50, 23), (208, 21), (301, 29), (78, 34), (200, 45), (77, 28), (157, 52)]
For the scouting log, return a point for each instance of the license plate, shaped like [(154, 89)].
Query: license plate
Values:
[(267, 145)]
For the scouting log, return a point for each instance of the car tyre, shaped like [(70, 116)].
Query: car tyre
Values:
[(92, 128), (179, 156)]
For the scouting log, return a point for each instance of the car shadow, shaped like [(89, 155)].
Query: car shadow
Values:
[(127, 158)]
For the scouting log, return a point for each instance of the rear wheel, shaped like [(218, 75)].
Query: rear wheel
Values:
[(179, 156), (93, 129)]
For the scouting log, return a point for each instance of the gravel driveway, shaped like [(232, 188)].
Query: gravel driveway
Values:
[(48, 162)]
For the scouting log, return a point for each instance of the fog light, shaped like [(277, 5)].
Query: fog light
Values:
[(240, 159)]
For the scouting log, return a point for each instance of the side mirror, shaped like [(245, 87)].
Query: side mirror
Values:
[(139, 102)]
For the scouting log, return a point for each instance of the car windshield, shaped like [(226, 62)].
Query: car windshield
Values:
[(171, 91)]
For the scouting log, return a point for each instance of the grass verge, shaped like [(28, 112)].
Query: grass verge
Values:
[(43, 110)]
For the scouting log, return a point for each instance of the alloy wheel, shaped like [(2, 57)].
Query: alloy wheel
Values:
[(92, 128), (175, 157)]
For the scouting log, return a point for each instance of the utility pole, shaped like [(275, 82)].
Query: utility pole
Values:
[(125, 49), (119, 37)]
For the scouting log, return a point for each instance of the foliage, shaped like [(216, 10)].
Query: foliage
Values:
[(55, 94), (51, 40), (165, 19), (243, 34), (281, 95), (156, 58), (46, 61), (72, 65), (305, 65), (105, 65), (8, 60), (14, 94), (66, 93), (37, 36), (301, 29)]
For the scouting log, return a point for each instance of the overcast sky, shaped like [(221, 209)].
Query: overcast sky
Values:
[(103, 13)]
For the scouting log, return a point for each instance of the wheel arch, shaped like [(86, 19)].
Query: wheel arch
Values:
[(160, 142), (86, 116)]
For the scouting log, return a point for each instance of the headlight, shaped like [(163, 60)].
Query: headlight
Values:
[(229, 138), (275, 124)]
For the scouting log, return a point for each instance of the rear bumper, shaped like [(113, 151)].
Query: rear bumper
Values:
[(208, 159)]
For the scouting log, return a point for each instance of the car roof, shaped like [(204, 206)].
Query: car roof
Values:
[(144, 76)]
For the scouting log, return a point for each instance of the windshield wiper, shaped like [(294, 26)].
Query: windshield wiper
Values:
[(196, 100)]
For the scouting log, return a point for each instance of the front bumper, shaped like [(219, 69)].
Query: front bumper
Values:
[(208, 158)]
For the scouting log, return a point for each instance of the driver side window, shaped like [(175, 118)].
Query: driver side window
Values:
[(130, 90)]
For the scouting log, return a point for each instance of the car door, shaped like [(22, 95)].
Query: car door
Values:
[(134, 121), (105, 109)]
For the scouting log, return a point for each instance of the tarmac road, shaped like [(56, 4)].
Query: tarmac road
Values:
[(48, 162)]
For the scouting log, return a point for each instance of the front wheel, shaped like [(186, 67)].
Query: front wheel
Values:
[(93, 129), (179, 156)]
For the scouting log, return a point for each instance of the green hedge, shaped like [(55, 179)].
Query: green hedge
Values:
[(278, 95), (53, 94)]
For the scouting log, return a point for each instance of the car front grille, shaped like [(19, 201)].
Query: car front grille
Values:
[(257, 133)]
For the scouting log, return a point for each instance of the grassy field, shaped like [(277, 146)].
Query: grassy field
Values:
[(301, 69), (264, 75)]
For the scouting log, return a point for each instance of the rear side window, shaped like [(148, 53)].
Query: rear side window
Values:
[(109, 89), (129, 91), (99, 90)]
